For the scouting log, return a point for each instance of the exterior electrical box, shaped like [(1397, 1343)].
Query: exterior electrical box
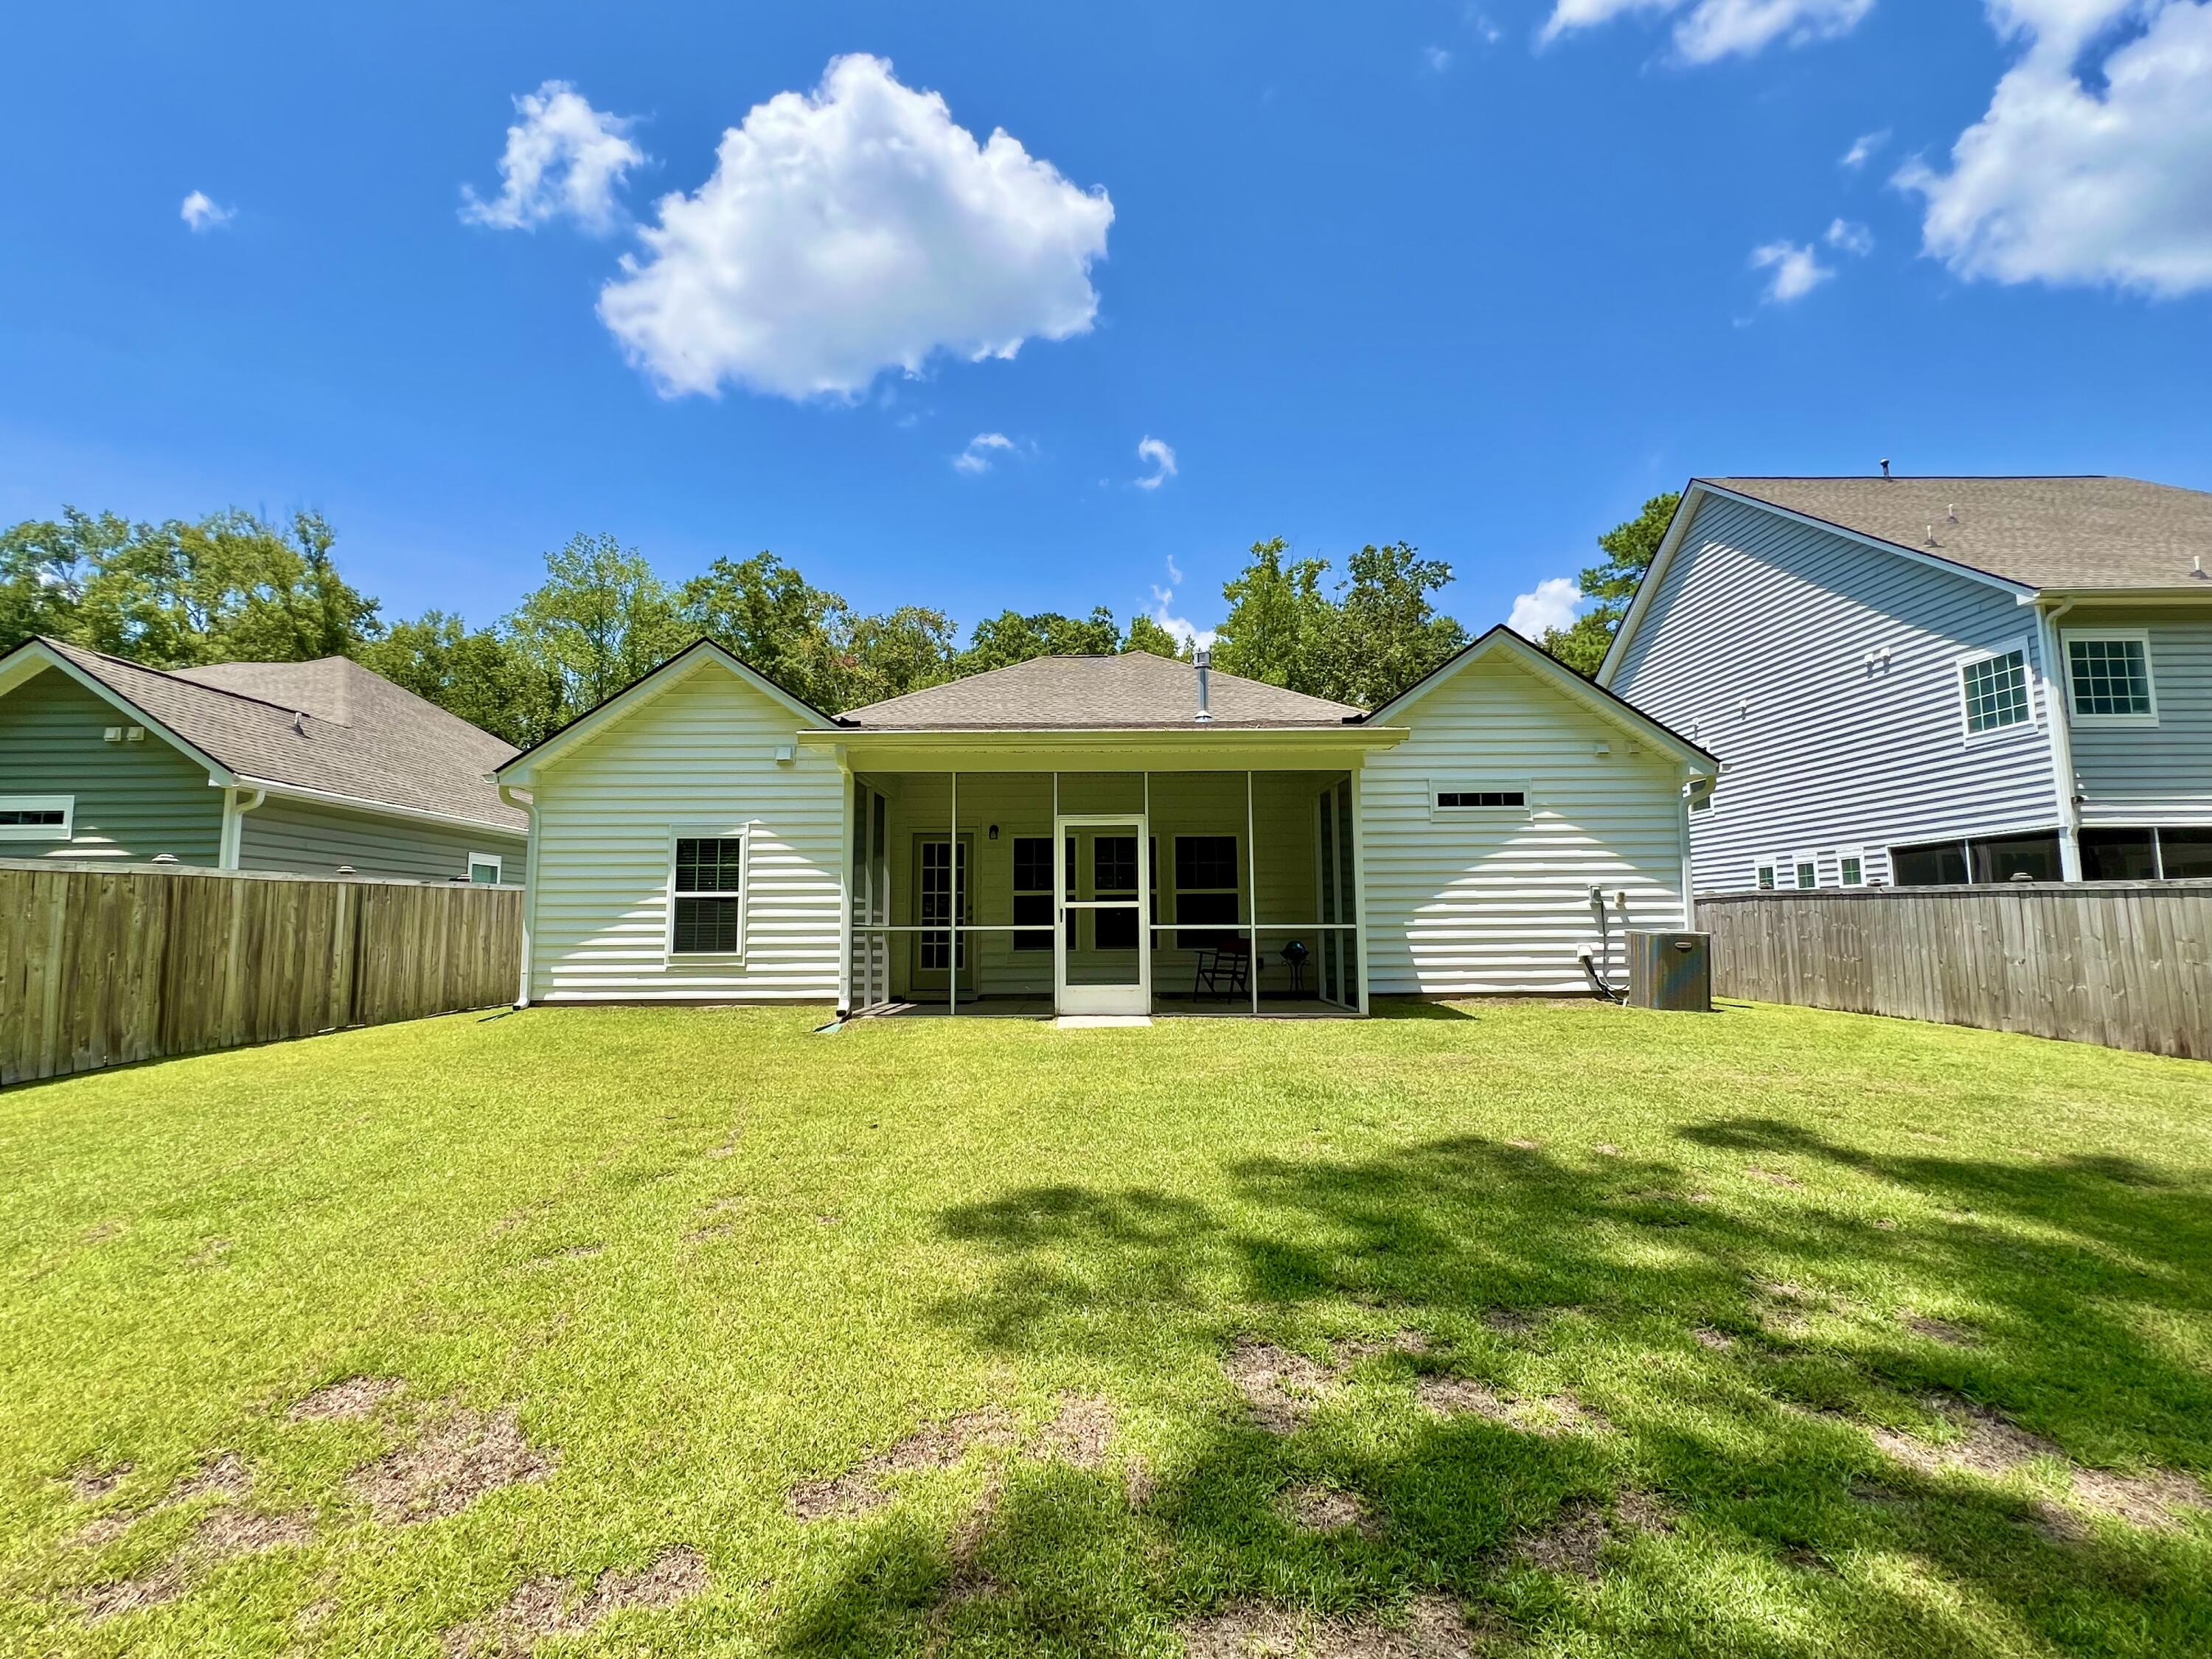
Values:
[(1671, 970)]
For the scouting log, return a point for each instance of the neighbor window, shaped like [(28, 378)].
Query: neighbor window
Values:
[(1938, 864), (1033, 892), (1763, 873), (2109, 677), (1995, 689), (1807, 870), (2119, 855), (1851, 869), (1206, 891), (706, 896), (483, 870), (37, 817)]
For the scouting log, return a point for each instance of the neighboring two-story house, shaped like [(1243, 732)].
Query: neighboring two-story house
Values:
[(317, 768), (1928, 681)]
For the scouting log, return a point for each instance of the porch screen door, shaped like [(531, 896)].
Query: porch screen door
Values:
[(1102, 955)]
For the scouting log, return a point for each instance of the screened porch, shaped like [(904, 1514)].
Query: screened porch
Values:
[(1036, 894)]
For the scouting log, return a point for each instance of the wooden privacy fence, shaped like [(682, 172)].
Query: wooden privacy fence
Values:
[(2127, 965), (100, 965)]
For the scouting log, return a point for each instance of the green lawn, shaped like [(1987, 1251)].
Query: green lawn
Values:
[(1764, 1333)]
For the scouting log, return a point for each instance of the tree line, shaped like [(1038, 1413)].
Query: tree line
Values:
[(235, 586)]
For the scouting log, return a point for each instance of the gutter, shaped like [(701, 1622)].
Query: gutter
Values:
[(527, 805), (383, 809)]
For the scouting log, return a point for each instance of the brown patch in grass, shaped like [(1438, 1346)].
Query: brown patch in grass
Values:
[(102, 1529), (1577, 1539), (1407, 1341), (1526, 1146), (458, 1459), (89, 1483), (151, 1588), (1078, 1433), (1329, 1509), (1281, 1387), (550, 1607), (102, 1233), (932, 1446), (346, 1401), (580, 1252), (1510, 1322), (1606, 1149), (1985, 1443), (227, 1478), (1774, 1178), (1139, 1485), (1940, 1330), (209, 1254), (1706, 1337), (1549, 1415), (703, 1235), (1434, 1628), (234, 1532), (2154, 1498)]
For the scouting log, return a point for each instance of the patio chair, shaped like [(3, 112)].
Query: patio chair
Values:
[(1224, 968)]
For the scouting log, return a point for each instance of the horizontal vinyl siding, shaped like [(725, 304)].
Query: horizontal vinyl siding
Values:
[(702, 752), (1756, 645), (2158, 775), (134, 800), (1286, 821), (1469, 906), (312, 838)]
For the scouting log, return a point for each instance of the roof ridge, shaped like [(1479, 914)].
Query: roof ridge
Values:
[(175, 679)]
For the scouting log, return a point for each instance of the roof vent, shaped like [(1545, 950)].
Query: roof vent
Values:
[(299, 724), (1203, 657), (1885, 466)]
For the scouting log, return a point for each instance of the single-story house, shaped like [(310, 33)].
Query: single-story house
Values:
[(1100, 835), (315, 767)]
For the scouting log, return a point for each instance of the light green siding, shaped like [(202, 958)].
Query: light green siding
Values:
[(315, 839), (134, 800), (2160, 774)]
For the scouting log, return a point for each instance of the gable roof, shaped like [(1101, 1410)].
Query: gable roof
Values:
[(1591, 696), (1133, 691), (327, 728), (649, 685), (2042, 532)]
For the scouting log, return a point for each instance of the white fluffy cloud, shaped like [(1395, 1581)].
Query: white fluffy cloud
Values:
[(201, 213), (982, 449), (1551, 605), (1705, 30), (1186, 632), (849, 231), (1160, 456), (1864, 150), (1796, 270), (563, 158), (2066, 184), (1850, 238)]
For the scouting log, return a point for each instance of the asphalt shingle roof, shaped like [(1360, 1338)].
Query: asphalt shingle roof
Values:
[(329, 725), (1134, 690), (2092, 532)]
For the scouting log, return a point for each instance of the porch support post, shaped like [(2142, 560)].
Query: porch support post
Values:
[(952, 877), (1147, 879), (1059, 901), (845, 893), (1252, 885), (1361, 919)]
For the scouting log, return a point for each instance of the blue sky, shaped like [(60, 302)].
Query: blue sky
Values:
[(1480, 277)]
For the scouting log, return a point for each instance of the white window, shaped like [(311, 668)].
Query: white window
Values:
[(1478, 798), (2108, 678), (1804, 871), (707, 871), (1206, 891), (1763, 873), (37, 817), (1994, 686), (1850, 867), (483, 869)]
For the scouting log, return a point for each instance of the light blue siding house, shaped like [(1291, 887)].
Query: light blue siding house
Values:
[(1929, 681), (316, 767)]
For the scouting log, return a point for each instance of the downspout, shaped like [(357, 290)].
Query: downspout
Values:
[(527, 805), (234, 824), (2061, 738)]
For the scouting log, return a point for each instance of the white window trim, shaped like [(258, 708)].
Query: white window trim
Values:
[(1857, 853), (1521, 814), (2140, 636), (497, 867), (1804, 862), (740, 833), (1772, 866), (65, 805), (1960, 664)]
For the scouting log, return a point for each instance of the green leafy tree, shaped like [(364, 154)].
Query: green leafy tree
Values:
[(479, 676), (44, 566), (1629, 548), (1280, 621), (1146, 634), (600, 619), (892, 654), (769, 615), (1387, 631), (1009, 637)]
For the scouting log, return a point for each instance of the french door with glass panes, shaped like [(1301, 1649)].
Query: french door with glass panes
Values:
[(1101, 953), (942, 900)]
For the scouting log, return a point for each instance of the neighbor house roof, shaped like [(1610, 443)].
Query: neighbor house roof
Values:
[(327, 727), (2063, 533), (1133, 691)]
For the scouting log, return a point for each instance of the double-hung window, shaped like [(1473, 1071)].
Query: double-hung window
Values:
[(483, 869), (1205, 890), (1850, 867), (1995, 688), (1033, 892), (706, 895), (2108, 678), (37, 817)]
